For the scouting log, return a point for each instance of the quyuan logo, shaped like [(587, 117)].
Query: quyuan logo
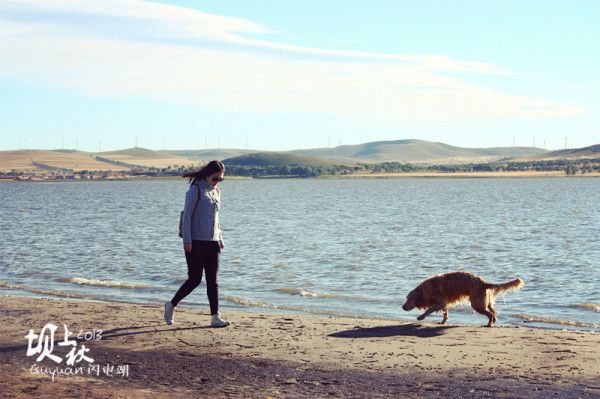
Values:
[(78, 359)]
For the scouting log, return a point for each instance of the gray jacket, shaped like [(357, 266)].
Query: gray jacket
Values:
[(204, 224)]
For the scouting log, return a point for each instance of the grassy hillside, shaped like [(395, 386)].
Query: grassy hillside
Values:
[(35, 160), (277, 159)]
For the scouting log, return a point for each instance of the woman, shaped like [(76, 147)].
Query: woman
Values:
[(202, 238)]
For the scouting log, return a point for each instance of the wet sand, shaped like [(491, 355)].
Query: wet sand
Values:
[(268, 355)]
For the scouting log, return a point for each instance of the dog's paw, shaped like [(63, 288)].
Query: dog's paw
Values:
[(421, 318)]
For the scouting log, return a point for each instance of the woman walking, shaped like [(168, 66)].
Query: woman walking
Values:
[(202, 238)]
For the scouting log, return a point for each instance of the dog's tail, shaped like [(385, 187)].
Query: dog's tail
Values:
[(511, 285)]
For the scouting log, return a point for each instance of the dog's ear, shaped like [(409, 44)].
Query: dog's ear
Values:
[(416, 296)]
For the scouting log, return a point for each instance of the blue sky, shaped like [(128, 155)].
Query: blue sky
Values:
[(282, 75)]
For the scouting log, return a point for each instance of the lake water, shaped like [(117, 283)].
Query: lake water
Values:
[(340, 247)]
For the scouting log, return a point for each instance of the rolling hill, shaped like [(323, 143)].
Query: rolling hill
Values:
[(575, 153)]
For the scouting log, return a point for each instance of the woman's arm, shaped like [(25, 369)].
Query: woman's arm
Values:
[(221, 243), (191, 197)]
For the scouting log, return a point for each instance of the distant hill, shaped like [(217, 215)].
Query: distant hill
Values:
[(412, 150), (403, 151), (32, 160), (575, 153), (277, 159), (135, 152), (149, 158), (210, 154)]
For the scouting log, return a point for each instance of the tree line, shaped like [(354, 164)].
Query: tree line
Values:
[(569, 167)]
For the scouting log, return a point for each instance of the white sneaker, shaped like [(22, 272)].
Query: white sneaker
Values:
[(169, 312), (217, 321)]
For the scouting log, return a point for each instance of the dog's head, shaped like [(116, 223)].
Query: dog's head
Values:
[(411, 300)]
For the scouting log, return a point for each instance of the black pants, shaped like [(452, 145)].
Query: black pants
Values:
[(204, 256)]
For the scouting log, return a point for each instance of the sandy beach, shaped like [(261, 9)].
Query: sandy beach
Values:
[(270, 355)]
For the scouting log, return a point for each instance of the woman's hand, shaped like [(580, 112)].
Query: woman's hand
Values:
[(187, 247), (221, 244)]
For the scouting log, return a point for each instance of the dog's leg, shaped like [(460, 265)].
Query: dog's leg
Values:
[(445, 319), (480, 303), (494, 313), (487, 313), (429, 311)]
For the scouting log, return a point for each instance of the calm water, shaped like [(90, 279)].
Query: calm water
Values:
[(348, 247)]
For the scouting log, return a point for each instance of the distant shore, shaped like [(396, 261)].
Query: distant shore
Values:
[(426, 175), (266, 355), (133, 178)]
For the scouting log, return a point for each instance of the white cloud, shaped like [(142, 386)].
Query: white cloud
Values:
[(169, 53)]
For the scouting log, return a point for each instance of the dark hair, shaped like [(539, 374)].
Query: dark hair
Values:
[(207, 170)]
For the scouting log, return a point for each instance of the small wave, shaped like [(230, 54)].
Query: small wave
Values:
[(101, 283), (538, 319), (260, 304), (249, 302), (594, 307), (304, 293), (64, 294), (342, 297)]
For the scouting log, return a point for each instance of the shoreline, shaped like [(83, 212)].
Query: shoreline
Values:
[(281, 355), (546, 323), (469, 175)]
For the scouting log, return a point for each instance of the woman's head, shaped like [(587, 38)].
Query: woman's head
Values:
[(212, 173)]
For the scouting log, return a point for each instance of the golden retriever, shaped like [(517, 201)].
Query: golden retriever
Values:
[(444, 290)]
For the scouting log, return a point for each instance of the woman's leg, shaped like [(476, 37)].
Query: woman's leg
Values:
[(194, 262), (212, 267)]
